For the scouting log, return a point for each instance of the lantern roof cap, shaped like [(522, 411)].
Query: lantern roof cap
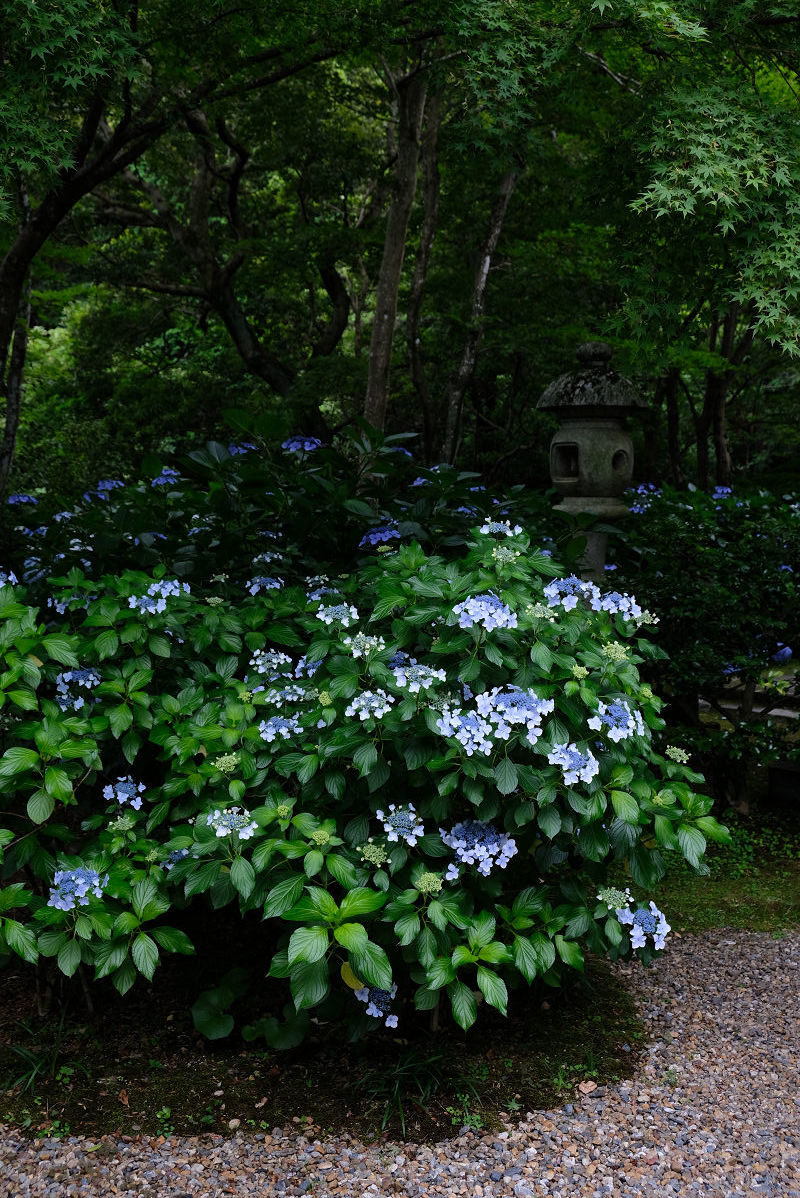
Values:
[(594, 387)]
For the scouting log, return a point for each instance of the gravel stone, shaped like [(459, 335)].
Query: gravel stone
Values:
[(712, 1112)]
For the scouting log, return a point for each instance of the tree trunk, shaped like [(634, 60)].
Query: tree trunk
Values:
[(430, 209), (13, 383), (411, 93), (464, 371), (676, 472)]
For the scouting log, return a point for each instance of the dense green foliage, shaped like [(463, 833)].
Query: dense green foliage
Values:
[(231, 741)]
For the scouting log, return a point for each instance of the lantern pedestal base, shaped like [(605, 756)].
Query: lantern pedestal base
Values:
[(593, 561)]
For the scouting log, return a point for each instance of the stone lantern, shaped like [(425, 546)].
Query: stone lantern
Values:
[(591, 454)]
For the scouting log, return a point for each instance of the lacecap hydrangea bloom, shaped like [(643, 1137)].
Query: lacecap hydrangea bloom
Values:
[(125, 790), (70, 683), (301, 444), (380, 535), (477, 843), (263, 583), (72, 887), (154, 601), (471, 730), (271, 664), (233, 821), (511, 706), (409, 674), (644, 922), (617, 605), (8, 578), (362, 645), (500, 528), (568, 592), (278, 726), (617, 720), (379, 1003), (370, 704), (338, 613), (577, 766), (401, 823), (612, 897), (486, 610), (167, 476)]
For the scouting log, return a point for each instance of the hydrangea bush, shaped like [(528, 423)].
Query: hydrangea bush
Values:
[(425, 779)]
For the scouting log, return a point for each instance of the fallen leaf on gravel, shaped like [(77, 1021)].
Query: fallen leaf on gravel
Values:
[(587, 1087), (123, 1097)]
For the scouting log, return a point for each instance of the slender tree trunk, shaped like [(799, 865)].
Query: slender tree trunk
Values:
[(676, 472), (411, 93), (466, 366), (430, 209)]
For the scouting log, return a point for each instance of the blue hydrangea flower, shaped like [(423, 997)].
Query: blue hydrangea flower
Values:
[(174, 857), (511, 706), (378, 1002), (617, 720), (18, 499), (616, 604), (370, 705), (472, 731), (782, 654), (408, 673), (69, 685), (8, 578), (401, 823), (125, 790), (644, 923), (277, 697), (487, 610), (577, 766), (379, 536), (500, 528), (721, 492), (362, 645), (568, 592), (301, 444), (244, 447), (232, 821), (339, 613), (279, 726), (262, 583), (644, 495), (477, 843), (167, 475), (306, 668), (103, 489), (154, 601), (271, 664), (71, 888)]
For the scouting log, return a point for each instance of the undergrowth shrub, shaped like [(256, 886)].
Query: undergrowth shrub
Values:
[(421, 771), (721, 571)]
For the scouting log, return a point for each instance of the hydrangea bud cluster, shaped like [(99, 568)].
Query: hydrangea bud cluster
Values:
[(477, 843), (486, 610), (154, 601), (401, 823), (379, 536), (338, 613), (278, 726), (500, 528), (227, 763), (301, 444), (370, 705), (408, 673), (262, 582), (233, 821), (645, 922), (125, 790), (614, 651), (373, 854), (540, 611), (379, 1003), (362, 645), (677, 754), (577, 766), (429, 883), (71, 888), (512, 706), (617, 720), (504, 555), (612, 897), (319, 836), (69, 685), (568, 592), (580, 672)]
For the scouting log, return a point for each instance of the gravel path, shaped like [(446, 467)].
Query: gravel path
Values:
[(713, 1110)]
